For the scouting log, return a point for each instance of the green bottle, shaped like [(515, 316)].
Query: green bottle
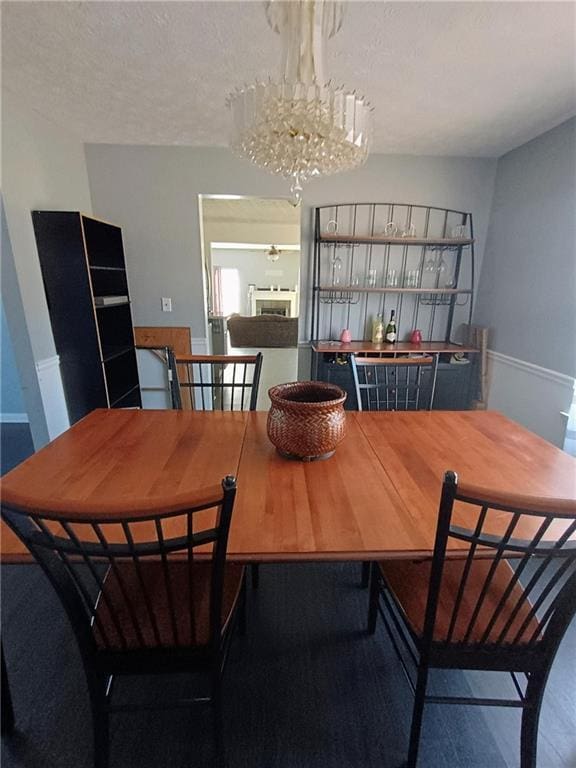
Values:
[(390, 333)]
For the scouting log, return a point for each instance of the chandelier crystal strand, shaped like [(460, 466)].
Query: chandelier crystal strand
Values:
[(301, 127)]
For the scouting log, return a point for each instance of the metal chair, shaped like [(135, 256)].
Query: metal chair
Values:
[(503, 605), (139, 598), (394, 383), (219, 382)]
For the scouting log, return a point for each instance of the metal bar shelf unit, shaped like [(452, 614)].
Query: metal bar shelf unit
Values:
[(371, 258)]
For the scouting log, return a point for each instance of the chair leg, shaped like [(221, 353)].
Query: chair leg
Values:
[(417, 714), (374, 596), (254, 570), (365, 578), (100, 720), (101, 740), (242, 608), (219, 753), (530, 718), (7, 710)]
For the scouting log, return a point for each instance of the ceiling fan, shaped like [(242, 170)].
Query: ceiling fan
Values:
[(273, 254)]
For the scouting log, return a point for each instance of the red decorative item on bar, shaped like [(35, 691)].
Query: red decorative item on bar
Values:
[(416, 337), (345, 336)]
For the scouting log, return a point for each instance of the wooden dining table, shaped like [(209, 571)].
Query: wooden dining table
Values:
[(377, 497)]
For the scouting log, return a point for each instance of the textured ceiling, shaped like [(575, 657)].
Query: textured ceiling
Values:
[(254, 210), (460, 78)]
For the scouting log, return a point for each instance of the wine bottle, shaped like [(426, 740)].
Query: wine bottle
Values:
[(390, 334), (378, 330)]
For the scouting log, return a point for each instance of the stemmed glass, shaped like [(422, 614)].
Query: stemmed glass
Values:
[(435, 264), (430, 264), (336, 268)]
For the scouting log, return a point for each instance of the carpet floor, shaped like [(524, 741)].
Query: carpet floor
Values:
[(305, 688)]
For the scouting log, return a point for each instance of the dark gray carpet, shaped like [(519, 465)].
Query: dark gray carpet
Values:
[(305, 688)]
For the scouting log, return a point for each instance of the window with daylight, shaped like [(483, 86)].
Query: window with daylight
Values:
[(226, 291)]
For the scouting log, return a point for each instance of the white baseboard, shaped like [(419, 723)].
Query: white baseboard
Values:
[(14, 418), (52, 393), (531, 395)]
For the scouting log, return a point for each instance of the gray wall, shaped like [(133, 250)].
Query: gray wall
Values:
[(11, 401), (152, 193), (42, 168), (254, 268), (527, 291)]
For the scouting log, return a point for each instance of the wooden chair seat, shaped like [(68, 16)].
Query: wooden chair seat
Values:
[(144, 605), (176, 625), (483, 611), (409, 581)]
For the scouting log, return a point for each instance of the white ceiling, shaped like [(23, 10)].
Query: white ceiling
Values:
[(445, 78), (250, 210)]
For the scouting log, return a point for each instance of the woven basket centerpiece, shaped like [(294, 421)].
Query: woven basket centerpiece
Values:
[(306, 419)]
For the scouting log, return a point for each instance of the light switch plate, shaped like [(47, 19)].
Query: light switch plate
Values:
[(166, 304)]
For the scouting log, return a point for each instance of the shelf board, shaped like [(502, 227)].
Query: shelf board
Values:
[(108, 269), (112, 306), (361, 289), (383, 240), (401, 347), (114, 352)]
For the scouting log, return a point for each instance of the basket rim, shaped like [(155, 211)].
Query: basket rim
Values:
[(276, 394)]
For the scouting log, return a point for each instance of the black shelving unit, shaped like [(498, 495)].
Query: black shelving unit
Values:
[(371, 258), (83, 265)]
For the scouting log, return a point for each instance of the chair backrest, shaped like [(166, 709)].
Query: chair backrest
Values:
[(166, 355), (219, 382), (516, 583), (127, 577), (393, 383)]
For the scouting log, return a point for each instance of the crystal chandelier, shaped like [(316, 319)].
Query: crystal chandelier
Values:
[(302, 126)]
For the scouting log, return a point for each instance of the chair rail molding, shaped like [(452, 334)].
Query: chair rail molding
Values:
[(14, 418), (52, 393), (534, 396)]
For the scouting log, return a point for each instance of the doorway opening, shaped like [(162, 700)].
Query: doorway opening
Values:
[(251, 258)]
